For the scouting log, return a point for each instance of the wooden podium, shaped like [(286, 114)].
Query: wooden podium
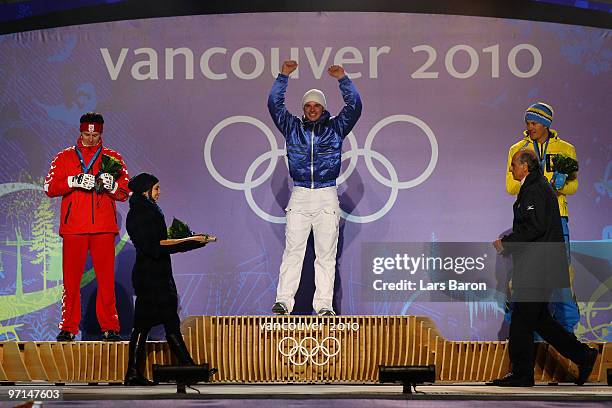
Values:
[(293, 349)]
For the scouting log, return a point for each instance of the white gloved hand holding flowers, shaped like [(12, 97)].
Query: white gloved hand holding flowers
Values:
[(108, 181)]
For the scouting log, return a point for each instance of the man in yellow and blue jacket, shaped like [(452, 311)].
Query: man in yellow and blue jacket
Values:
[(546, 144)]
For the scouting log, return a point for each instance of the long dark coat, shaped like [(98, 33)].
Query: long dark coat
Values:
[(157, 299)]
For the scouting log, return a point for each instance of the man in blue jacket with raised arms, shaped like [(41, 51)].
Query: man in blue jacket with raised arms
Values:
[(314, 147)]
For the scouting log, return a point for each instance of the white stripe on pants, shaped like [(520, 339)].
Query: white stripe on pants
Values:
[(319, 210)]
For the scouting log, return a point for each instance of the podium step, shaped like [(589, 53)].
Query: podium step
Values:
[(293, 349)]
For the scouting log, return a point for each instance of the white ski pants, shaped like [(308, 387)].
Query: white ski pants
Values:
[(319, 210)]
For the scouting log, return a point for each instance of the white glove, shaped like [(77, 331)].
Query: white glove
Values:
[(109, 182), (85, 181)]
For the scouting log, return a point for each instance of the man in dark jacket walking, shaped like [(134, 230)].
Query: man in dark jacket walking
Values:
[(314, 147), (540, 265)]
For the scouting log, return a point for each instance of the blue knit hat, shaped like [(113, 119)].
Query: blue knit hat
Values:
[(540, 112)]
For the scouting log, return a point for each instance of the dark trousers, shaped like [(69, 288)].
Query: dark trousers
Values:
[(152, 310), (528, 317), (171, 326)]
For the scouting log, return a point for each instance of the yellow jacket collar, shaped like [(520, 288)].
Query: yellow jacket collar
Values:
[(553, 135)]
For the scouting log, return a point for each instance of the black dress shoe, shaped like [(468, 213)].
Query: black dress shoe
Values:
[(134, 378), (584, 369), (65, 336), (111, 335), (513, 380)]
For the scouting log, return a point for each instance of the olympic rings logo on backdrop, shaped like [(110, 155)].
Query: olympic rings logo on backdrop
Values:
[(299, 354), (352, 155)]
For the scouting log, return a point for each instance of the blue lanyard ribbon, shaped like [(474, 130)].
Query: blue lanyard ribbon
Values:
[(93, 159), (542, 157)]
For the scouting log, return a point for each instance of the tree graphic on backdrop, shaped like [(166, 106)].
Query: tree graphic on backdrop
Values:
[(45, 242)]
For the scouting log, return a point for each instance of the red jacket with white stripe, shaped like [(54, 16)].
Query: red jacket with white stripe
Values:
[(83, 211)]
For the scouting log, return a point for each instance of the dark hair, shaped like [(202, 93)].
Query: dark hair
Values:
[(142, 183), (529, 157), (92, 117)]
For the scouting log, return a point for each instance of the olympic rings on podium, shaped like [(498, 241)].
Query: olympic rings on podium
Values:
[(305, 353)]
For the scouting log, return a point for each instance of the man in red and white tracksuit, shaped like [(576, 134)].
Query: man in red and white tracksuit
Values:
[(88, 223)]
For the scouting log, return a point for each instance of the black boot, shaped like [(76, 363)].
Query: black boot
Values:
[(136, 359), (179, 349)]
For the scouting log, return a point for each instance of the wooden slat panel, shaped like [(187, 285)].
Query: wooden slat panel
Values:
[(229, 328), (221, 341), (215, 349), (122, 360), (255, 360), (486, 368), (97, 362), (504, 367), (46, 356), (445, 369), (105, 362), (89, 361), (420, 343), (436, 360), (475, 352), (402, 336), (33, 362), (496, 364), (3, 376), (68, 350), (13, 364), (460, 361), (196, 338), (60, 360), (477, 361), (412, 333), (245, 374), (112, 358), (81, 360), (453, 363), (376, 347), (244, 351), (276, 364)]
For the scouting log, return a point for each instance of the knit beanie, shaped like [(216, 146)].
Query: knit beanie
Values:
[(142, 182), (314, 95), (540, 112)]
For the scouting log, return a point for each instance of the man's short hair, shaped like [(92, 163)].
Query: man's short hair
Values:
[(529, 157), (92, 117)]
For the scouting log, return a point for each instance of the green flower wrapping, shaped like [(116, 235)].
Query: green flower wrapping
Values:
[(179, 230), (111, 166), (566, 165)]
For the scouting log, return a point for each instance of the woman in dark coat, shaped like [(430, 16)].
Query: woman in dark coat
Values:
[(156, 296)]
